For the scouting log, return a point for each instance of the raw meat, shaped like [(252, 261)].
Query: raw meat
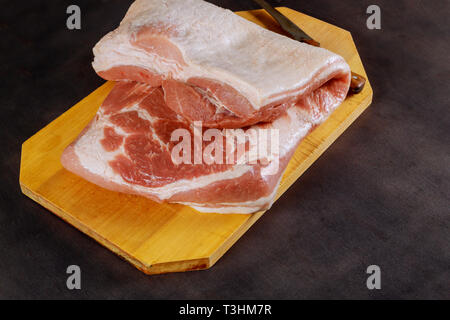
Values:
[(215, 66), (127, 147)]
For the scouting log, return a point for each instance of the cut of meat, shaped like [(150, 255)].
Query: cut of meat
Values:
[(193, 105), (127, 147), (215, 66), (184, 63)]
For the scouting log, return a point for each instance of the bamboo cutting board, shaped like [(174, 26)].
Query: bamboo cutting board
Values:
[(160, 238)]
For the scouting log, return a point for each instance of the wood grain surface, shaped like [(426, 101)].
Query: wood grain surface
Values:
[(161, 238)]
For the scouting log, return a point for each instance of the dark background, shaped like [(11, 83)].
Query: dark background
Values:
[(379, 195)]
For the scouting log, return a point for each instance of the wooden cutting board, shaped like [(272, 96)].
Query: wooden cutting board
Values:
[(160, 238)]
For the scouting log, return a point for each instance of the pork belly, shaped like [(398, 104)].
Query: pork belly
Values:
[(215, 66), (127, 147)]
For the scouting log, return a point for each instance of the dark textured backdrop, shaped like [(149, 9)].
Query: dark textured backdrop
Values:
[(379, 195)]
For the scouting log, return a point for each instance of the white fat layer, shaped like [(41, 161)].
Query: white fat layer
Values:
[(263, 203), (224, 210), (217, 44)]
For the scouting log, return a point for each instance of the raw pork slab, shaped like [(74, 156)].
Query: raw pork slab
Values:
[(215, 66), (127, 148)]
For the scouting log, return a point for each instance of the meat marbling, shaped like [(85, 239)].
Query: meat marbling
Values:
[(215, 66), (127, 148)]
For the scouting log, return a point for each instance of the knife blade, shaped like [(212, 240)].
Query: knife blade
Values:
[(357, 81), (287, 25)]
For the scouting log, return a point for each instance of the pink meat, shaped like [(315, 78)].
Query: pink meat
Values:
[(215, 66), (127, 148)]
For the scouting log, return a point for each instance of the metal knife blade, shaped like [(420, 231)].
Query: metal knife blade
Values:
[(357, 81), (287, 25)]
